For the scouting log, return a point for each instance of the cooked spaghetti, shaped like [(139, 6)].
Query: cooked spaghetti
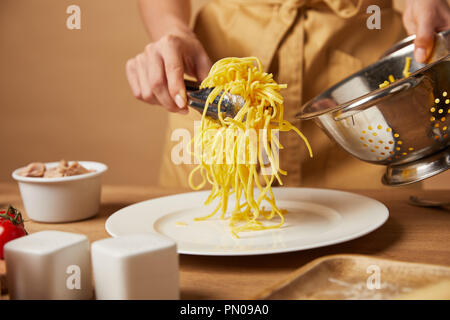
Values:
[(406, 73), (232, 152)]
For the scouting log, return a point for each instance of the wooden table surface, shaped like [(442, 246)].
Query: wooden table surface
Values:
[(410, 234)]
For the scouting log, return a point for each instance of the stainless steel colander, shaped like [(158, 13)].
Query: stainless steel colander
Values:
[(404, 126)]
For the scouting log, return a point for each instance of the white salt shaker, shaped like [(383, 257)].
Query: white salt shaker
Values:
[(141, 266), (49, 265)]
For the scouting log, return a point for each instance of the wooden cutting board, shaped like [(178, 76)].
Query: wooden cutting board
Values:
[(342, 277)]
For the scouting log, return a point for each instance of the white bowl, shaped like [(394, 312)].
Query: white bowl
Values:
[(62, 199)]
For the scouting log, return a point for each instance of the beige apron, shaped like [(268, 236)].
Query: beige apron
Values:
[(309, 45)]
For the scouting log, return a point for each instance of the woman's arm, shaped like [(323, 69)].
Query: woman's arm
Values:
[(156, 75), (167, 16)]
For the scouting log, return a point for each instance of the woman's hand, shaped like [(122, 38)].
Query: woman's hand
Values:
[(424, 18), (156, 75)]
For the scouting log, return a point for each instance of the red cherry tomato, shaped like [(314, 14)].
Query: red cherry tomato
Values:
[(11, 226)]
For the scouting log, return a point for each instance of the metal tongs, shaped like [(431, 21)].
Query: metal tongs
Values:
[(229, 106)]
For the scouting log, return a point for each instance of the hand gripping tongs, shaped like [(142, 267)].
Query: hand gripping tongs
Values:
[(229, 106)]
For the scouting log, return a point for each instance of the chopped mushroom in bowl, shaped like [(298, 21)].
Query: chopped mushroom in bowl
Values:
[(60, 191), (63, 169)]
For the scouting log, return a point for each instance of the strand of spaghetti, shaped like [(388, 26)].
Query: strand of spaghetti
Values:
[(269, 152)]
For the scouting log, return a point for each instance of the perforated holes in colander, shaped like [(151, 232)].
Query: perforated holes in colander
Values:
[(392, 147), (439, 118), (383, 142)]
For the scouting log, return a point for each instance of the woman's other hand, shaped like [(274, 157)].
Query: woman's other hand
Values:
[(424, 18)]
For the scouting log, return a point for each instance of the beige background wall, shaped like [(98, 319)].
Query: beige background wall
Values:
[(64, 94)]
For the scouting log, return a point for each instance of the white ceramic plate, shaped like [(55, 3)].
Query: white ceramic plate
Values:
[(316, 218)]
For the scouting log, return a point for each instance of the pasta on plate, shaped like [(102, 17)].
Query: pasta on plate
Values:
[(239, 156)]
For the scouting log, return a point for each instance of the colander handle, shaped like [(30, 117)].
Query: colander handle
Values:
[(377, 96)]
